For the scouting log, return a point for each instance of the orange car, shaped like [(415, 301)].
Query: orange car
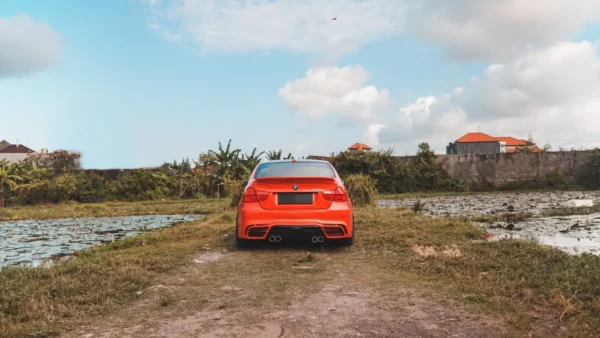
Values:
[(289, 199)]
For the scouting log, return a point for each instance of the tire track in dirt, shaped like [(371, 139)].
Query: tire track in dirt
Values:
[(348, 304)]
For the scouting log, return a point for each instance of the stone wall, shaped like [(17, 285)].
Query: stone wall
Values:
[(500, 169)]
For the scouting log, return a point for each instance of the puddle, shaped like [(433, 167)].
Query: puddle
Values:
[(574, 234), (32, 242)]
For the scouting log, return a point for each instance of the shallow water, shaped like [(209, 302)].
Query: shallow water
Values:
[(574, 234), (485, 204), (32, 242)]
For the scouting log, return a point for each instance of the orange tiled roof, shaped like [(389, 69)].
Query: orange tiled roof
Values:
[(511, 141), (516, 150), (476, 137), (359, 146)]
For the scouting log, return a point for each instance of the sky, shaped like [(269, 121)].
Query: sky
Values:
[(135, 83)]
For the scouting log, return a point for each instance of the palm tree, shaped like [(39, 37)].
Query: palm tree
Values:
[(225, 157), (277, 155), (7, 180), (251, 160)]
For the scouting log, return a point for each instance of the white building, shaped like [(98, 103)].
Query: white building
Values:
[(13, 152)]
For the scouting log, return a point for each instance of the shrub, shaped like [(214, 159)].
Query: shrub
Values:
[(589, 175), (235, 189), (397, 175), (362, 189)]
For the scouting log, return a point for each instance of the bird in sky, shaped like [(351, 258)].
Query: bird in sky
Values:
[(334, 19)]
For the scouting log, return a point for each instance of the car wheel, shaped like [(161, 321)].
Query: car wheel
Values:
[(240, 242)]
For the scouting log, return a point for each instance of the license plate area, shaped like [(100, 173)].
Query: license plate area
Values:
[(295, 198)]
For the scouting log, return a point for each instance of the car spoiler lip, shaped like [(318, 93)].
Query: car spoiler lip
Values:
[(295, 179)]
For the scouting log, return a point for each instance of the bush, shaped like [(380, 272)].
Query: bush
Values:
[(397, 175), (589, 175), (362, 189), (235, 189)]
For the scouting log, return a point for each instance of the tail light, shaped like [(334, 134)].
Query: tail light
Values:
[(253, 196), (337, 195)]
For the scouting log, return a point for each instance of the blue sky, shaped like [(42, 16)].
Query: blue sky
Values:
[(126, 93)]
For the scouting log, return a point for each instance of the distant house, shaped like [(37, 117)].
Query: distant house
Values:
[(13, 152), (358, 147), (480, 143)]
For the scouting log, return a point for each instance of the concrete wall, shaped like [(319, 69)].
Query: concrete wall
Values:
[(13, 157), (500, 169), (479, 148)]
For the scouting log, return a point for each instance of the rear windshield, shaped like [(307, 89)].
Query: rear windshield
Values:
[(298, 169)]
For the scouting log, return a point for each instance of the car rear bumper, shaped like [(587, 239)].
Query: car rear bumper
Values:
[(255, 223)]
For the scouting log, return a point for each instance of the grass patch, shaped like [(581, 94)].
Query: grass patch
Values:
[(113, 209), (395, 249), (570, 211), (40, 301), (507, 276), (505, 217)]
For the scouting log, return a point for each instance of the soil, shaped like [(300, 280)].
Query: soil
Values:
[(347, 305)]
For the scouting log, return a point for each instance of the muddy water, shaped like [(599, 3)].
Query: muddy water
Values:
[(32, 242), (573, 234), (485, 204)]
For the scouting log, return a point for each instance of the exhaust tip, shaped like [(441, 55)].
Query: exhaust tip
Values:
[(277, 239), (315, 239), (321, 239), (272, 239)]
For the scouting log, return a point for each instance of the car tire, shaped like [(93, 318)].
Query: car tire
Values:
[(240, 242)]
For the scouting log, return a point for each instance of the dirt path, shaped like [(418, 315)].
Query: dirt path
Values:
[(291, 294)]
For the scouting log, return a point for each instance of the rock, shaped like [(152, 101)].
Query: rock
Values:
[(351, 294), (64, 259), (510, 227), (138, 293), (510, 208)]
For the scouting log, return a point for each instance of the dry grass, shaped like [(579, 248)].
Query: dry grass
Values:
[(569, 211), (395, 249), (113, 209), (490, 275)]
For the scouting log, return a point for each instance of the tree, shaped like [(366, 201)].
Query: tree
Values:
[(251, 160), (61, 161), (7, 181), (64, 161), (530, 146), (277, 155), (225, 157)]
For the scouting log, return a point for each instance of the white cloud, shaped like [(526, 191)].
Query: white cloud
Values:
[(297, 25), (498, 30), (334, 90), (553, 93), (27, 46)]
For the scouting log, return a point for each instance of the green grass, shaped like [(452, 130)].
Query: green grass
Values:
[(411, 195), (569, 211), (395, 249), (504, 217), (113, 209)]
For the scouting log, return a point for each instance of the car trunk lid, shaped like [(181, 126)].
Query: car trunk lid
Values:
[(295, 193)]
